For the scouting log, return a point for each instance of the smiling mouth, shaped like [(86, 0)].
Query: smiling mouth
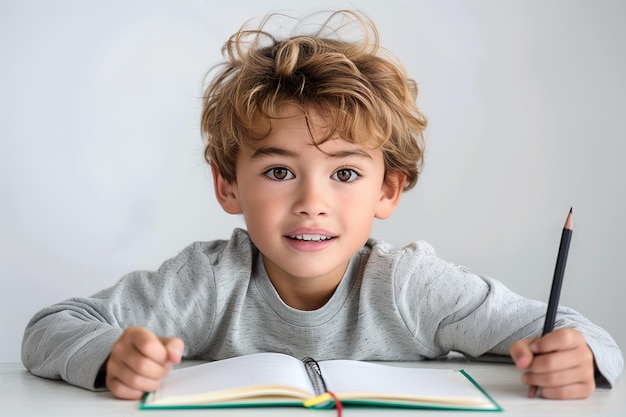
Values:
[(310, 238)]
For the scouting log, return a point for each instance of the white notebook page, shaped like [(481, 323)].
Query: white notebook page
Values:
[(361, 377), (269, 369)]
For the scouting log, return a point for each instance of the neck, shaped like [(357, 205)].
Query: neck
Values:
[(304, 300), (304, 293)]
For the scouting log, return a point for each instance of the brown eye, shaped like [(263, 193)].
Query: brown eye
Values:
[(279, 174), (345, 175)]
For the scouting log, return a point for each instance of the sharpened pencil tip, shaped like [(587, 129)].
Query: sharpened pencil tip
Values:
[(569, 224)]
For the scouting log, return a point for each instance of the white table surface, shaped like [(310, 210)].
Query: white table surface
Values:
[(22, 394)]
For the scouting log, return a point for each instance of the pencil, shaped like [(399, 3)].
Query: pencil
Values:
[(557, 282)]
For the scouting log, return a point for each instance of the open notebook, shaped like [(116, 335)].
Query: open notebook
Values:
[(274, 379)]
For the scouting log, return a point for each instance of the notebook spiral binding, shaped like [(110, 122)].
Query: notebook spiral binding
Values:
[(315, 375)]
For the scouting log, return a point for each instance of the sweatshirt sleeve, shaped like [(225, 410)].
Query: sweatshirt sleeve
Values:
[(500, 317), (459, 310), (72, 339)]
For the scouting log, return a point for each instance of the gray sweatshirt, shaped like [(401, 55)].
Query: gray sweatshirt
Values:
[(393, 304)]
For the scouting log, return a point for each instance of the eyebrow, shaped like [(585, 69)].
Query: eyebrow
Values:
[(271, 151), (350, 152)]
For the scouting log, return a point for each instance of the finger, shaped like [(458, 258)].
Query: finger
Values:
[(145, 367), (568, 392), (521, 354), (123, 391), (149, 345), (562, 360), (124, 354), (559, 378), (562, 339), (119, 371), (174, 347)]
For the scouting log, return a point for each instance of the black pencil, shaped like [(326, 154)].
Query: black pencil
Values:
[(557, 282)]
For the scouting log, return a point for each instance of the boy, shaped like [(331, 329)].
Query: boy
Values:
[(310, 138)]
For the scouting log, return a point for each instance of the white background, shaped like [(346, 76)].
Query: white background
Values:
[(101, 168)]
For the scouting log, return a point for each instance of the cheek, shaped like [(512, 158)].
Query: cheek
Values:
[(261, 206), (362, 196)]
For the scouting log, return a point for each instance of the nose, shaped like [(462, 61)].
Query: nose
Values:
[(313, 198)]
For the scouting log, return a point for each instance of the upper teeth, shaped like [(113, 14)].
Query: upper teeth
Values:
[(310, 237)]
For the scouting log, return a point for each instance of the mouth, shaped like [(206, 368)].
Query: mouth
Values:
[(311, 238)]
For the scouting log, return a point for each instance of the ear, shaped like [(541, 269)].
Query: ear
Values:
[(225, 191), (390, 194)]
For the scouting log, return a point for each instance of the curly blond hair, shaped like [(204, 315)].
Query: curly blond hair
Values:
[(359, 89)]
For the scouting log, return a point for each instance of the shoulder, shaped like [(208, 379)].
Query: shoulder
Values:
[(418, 247), (238, 246), (418, 254), (199, 268), (416, 265), (206, 258)]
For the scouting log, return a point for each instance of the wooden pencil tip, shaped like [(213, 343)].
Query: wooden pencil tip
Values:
[(569, 224)]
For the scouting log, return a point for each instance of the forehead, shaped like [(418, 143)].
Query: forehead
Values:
[(295, 124), (291, 116)]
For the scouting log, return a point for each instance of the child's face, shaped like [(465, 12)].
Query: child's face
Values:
[(308, 212)]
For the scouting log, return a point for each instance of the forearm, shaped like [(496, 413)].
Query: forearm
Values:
[(63, 342), (608, 358), (491, 321)]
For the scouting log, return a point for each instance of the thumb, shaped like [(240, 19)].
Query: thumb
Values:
[(521, 353), (174, 347)]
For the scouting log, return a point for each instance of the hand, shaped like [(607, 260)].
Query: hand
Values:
[(138, 361), (560, 363)]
